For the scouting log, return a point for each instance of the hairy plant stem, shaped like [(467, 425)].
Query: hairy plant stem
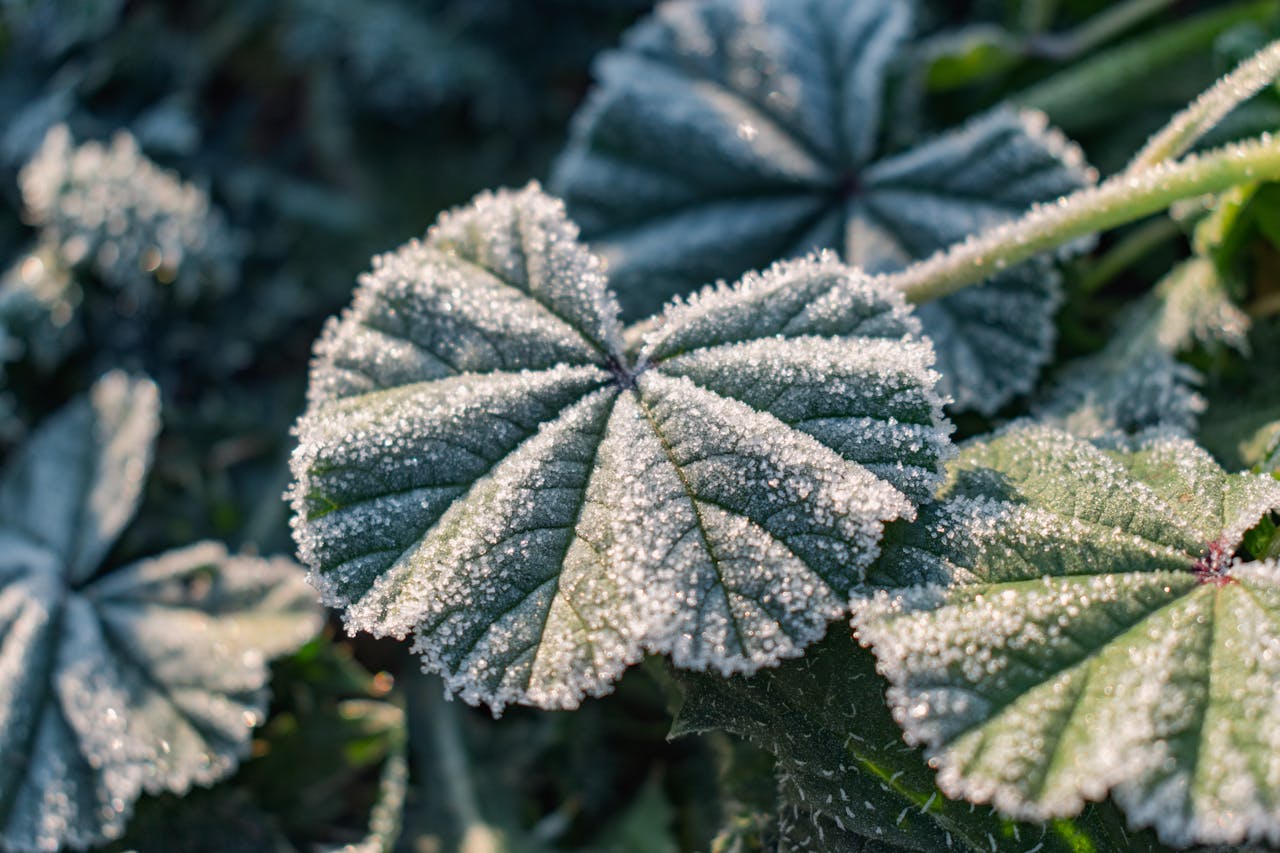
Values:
[(1072, 97), (1188, 126), (1123, 198)]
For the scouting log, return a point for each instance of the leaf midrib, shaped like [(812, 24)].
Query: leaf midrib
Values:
[(116, 644), (423, 531), (591, 470)]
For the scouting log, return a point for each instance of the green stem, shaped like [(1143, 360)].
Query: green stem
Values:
[(1195, 121), (1124, 198), (1072, 96)]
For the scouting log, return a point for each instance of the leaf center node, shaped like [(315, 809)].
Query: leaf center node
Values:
[(623, 375), (1214, 566), (848, 186)]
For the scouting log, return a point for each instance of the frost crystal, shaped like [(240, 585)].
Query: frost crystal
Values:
[(114, 211), (145, 678), (729, 133), (1070, 622), (484, 464)]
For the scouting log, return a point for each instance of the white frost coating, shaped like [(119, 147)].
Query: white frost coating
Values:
[(543, 508), (1050, 646), (814, 295), (528, 242), (726, 134), (775, 529), (871, 404), (149, 677)]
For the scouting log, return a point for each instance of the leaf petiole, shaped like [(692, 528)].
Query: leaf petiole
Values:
[(1123, 198), (1188, 126)]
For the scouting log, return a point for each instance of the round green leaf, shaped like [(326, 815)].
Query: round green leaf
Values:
[(74, 486), (1070, 622), (482, 464), (845, 779)]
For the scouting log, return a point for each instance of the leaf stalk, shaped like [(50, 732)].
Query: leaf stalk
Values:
[(1124, 198)]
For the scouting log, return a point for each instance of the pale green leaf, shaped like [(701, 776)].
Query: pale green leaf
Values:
[(110, 209), (1070, 623), (482, 464)]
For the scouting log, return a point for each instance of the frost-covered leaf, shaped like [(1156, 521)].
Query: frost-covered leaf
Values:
[(482, 463), (74, 486), (1127, 386), (845, 779), (135, 225), (1071, 622), (148, 677), (729, 133), (1136, 381)]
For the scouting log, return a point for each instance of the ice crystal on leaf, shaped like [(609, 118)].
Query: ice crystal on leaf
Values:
[(1070, 622), (149, 677), (483, 463), (728, 133)]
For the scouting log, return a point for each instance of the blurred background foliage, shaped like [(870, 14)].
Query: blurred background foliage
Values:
[(189, 189)]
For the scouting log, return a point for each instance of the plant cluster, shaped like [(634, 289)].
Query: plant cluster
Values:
[(866, 442)]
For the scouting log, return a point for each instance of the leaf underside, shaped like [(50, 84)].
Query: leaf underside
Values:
[(149, 677), (482, 464), (726, 134), (1069, 622)]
